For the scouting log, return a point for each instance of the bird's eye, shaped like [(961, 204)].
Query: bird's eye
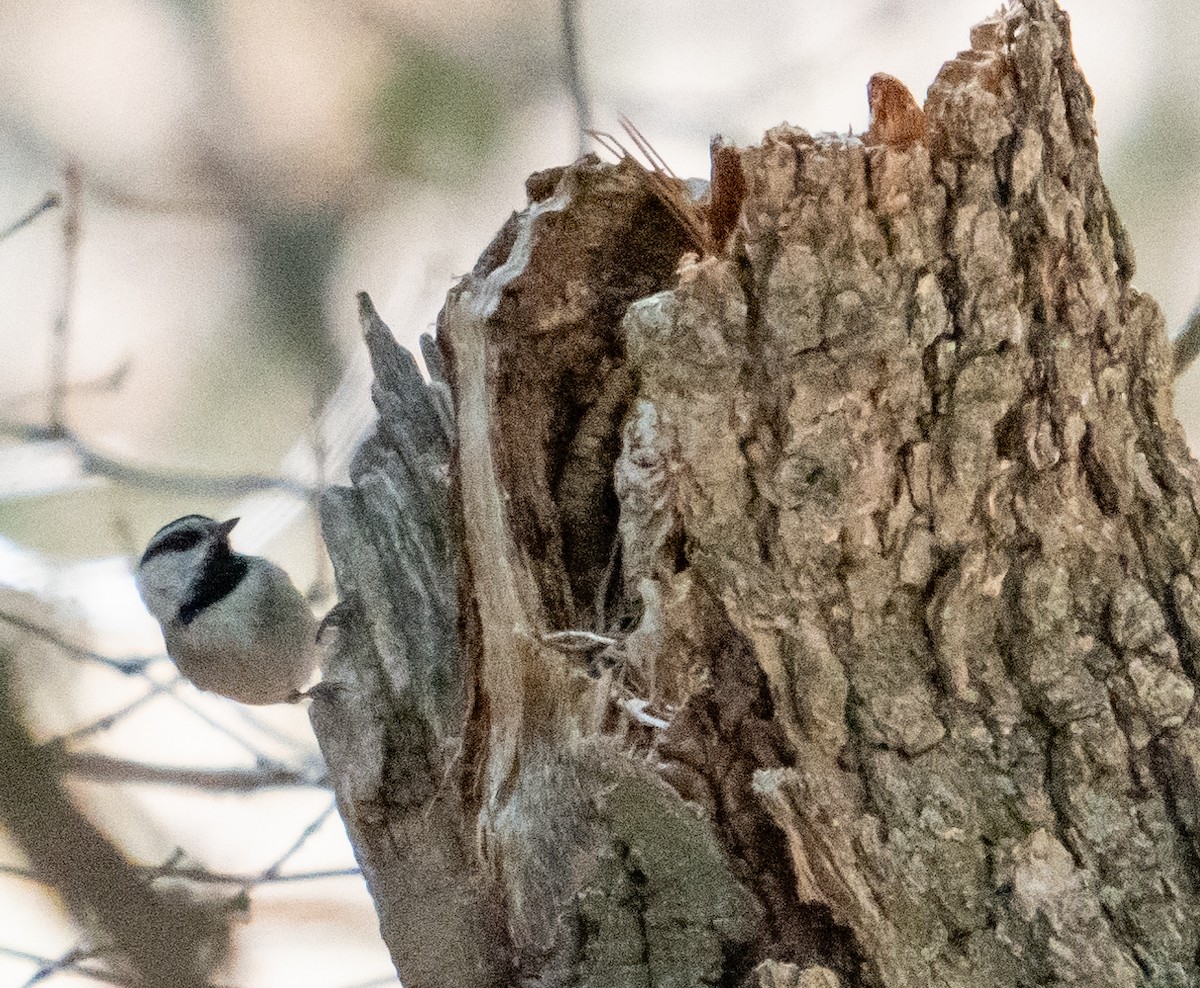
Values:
[(179, 541), (175, 542)]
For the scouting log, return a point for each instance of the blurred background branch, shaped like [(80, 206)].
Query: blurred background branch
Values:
[(61, 346), (575, 82), (166, 939), (49, 201)]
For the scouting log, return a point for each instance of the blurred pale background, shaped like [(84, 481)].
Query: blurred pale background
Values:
[(247, 165)]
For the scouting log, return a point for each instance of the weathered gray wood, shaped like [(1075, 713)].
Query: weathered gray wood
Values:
[(885, 519), (392, 702)]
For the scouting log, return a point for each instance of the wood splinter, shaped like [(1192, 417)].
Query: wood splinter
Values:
[(896, 122), (896, 119), (709, 226)]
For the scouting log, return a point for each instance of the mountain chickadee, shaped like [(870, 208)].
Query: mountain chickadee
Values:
[(233, 624)]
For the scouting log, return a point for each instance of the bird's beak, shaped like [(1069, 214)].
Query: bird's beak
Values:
[(226, 527)]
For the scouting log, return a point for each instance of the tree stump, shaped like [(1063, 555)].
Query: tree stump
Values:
[(817, 609)]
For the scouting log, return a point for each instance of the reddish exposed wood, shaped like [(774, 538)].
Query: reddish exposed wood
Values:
[(896, 119)]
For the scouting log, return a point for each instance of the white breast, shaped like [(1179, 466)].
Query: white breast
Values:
[(256, 645)]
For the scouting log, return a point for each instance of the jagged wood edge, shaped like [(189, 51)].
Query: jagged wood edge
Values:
[(393, 694)]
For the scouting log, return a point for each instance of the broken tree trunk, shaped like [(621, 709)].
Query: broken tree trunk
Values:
[(822, 607)]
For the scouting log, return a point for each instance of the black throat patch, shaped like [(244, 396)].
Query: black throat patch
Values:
[(223, 570)]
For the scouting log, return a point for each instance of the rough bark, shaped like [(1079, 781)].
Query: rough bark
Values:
[(885, 537)]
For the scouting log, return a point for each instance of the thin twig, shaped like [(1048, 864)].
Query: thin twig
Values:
[(114, 380), (263, 762), (72, 961), (69, 961), (104, 768), (164, 941), (128, 667), (273, 871), (61, 344), (49, 201), (204, 876), (109, 720), (267, 773), (197, 485), (579, 94), (657, 162), (609, 143), (170, 688), (663, 182), (260, 756), (97, 464)]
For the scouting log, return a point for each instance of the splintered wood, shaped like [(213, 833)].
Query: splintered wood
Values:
[(896, 119), (708, 225), (726, 191)]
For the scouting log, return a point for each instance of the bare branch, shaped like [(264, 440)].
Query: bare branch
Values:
[(60, 349), (49, 201), (72, 961), (107, 721), (166, 940), (206, 877), (128, 667), (579, 94), (137, 666), (261, 757), (104, 768), (97, 464), (312, 828), (106, 383)]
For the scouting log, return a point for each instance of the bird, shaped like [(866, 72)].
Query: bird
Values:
[(233, 624)]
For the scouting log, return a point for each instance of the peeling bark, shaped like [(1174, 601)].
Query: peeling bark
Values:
[(873, 537)]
